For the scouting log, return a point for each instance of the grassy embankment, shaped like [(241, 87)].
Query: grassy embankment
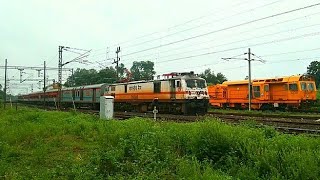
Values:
[(46, 145)]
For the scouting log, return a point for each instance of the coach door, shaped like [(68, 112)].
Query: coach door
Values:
[(266, 91), (172, 89), (73, 94), (94, 95), (81, 94)]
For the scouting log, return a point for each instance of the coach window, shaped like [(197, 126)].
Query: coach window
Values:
[(293, 87), (303, 86), (125, 88), (112, 88), (256, 91), (157, 86)]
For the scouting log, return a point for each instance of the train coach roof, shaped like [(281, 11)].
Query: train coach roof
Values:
[(40, 92), (293, 78), (91, 86)]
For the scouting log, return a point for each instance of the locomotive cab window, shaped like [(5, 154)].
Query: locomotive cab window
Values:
[(293, 87), (256, 91), (303, 86), (157, 86), (191, 83), (201, 83)]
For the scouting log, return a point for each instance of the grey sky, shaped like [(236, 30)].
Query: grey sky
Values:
[(31, 32)]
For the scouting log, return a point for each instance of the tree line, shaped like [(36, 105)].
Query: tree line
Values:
[(314, 70), (140, 70)]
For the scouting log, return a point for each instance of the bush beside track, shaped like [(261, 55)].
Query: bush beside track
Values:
[(46, 145)]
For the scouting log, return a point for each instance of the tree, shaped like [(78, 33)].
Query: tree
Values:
[(121, 71), (82, 77), (211, 78), (91, 76), (314, 70), (108, 75), (142, 70)]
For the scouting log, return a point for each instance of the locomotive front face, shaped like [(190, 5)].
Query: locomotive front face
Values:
[(195, 88)]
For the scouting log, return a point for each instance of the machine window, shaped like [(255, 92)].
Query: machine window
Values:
[(311, 87), (303, 86), (266, 88), (293, 87), (256, 91), (157, 87)]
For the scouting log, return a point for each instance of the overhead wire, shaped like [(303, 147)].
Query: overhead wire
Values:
[(226, 28), (178, 25), (233, 42), (236, 48), (233, 34), (204, 24)]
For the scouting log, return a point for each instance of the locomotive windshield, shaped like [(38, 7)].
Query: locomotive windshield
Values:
[(193, 83)]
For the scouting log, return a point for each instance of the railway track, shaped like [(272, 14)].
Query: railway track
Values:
[(296, 124), (289, 125), (285, 125)]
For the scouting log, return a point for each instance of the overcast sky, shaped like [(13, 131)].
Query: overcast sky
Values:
[(177, 35)]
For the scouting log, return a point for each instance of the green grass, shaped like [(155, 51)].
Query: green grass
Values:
[(35, 144)]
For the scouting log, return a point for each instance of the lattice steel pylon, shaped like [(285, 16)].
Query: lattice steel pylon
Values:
[(60, 75)]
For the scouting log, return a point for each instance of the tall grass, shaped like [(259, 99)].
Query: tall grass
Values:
[(46, 145)]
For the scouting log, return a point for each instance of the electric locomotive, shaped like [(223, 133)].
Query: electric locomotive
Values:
[(180, 93)]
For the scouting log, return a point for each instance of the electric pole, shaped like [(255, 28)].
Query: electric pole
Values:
[(73, 79), (249, 83), (5, 85), (44, 84), (117, 61), (60, 65), (249, 72), (60, 75)]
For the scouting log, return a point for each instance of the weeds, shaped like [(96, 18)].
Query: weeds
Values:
[(46, 145)]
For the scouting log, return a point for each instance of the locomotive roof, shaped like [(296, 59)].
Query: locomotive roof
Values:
[(176, 77), (293, 78)]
